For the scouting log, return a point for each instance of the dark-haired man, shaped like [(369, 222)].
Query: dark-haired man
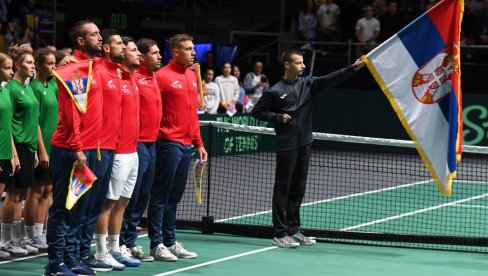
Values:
[(288, 105)]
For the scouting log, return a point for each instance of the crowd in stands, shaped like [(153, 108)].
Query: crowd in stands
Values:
[(371, 22)]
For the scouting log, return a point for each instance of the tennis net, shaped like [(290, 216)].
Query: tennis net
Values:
[(359, 190)]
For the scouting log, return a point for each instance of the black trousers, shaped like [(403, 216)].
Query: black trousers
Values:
[(289, 189)]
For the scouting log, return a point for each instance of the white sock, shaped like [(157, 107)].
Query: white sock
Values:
[(113, 243), (15, 230), (6, 232), (101, 243), (30, 232), (39, 228)]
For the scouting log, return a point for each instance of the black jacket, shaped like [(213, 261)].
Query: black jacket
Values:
[(295, 98)]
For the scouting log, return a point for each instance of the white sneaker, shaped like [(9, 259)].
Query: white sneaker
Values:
[(108, 259), (4, 255), (13, 249), (285, 242), (139, 254), (22, 243), (178, 250), (161, 253), (37, 243), (304, 240)]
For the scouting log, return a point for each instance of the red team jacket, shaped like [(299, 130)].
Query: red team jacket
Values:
[(129, 124), (76, 131), (178, 87), (109, 74), (150, 110)]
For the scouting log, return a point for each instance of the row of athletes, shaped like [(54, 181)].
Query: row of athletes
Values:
[(137, 129), (133, 134)]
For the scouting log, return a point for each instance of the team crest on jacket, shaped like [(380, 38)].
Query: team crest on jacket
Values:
[(432, 81), (111, 84), (176, 84)]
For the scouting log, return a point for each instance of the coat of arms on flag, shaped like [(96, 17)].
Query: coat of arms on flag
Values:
[(75, 79), (80, 182), (418, 69)]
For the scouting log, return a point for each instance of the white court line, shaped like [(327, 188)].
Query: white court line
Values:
[(217, 261), (40, 255), (472, 206), (332, 199), (415, 212)]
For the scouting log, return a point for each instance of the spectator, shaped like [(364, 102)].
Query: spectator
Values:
[(254, 83), (481, 25), (391, 22), (367, 31), (11, 34), (212, 99), (209, 64), (307, 21), (379, 7), (236, 72), (328, 21), (229, 90)]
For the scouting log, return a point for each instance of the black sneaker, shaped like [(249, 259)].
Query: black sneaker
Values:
[(58, 270), (79, 268), (95, 264)]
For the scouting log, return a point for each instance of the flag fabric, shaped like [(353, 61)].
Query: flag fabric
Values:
[(75, 79), (419, 71), (81, 181)]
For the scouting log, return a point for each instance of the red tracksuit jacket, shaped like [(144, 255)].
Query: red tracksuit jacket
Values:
[(150, 109)]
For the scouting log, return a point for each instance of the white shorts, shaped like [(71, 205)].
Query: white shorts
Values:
[(124, 176)]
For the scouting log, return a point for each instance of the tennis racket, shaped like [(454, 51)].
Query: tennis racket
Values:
[(198, 170)]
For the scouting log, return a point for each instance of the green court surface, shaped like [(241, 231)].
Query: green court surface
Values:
[(221, 255)]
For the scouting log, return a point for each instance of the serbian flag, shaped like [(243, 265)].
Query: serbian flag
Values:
[(419, 71), (75, 79), (81, 181)]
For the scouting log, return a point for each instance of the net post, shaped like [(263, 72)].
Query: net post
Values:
[(209, 167), (207, 222)]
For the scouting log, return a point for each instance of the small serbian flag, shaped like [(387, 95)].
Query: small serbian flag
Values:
[(75, 79), (419, 70), (231, 110), (80, 182)]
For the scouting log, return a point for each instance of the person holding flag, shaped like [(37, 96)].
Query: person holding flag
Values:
[(287, 104), (75, 141)]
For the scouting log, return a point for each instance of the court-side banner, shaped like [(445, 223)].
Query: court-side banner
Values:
[(418, 70)]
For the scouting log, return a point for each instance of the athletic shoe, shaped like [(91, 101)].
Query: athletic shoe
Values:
[(285, 242), (22, 243), (60, 269), (4, 255), (303, 240), (161, 253), (178, 250), (79, 268), (37, 243), (13, 249), (108, 259), (125, 257), (96, 265), (139, 254)]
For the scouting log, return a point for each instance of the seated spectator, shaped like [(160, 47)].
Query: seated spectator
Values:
[(391, 22), (367, 31), (212, 98), (328, 21), (209, 64), (236, 72), (229, 90), (481, 25), (255, 82), (307, 21)]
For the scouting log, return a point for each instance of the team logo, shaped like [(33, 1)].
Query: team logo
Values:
[(125, 89), (194, 84), (92, 80), (77, 83), (432, 81), (282, 97), (143, 81), (176, 84), (110, 84), (44, 93)]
